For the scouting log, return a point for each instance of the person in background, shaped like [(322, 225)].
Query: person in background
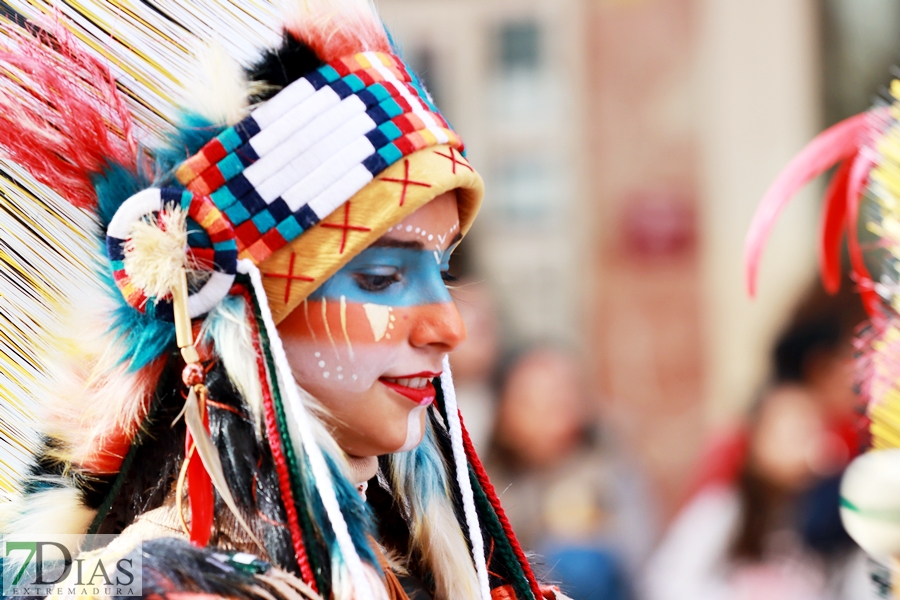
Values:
[(563, 490), (763, 520)]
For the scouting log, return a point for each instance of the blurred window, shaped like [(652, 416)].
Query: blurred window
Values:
[(861, 44), (520, 46)]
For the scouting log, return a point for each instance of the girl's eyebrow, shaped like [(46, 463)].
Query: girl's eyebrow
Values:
[(393, 243)]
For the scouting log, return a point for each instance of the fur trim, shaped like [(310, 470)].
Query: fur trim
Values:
[(55, 510)]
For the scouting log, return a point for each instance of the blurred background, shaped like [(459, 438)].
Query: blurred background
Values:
[(644, 419)]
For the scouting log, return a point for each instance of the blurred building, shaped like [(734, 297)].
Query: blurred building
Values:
[(625, 145)]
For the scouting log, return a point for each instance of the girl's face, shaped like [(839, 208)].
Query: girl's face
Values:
[(369, 341)]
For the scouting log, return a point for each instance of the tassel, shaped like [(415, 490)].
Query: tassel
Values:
[(200, 488), (198, 432)]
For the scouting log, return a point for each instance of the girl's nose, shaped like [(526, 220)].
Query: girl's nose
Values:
[(437, 325)]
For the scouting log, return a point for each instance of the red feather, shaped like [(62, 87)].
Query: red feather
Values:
[(61, 116), (834, 219), (856, 185), (835, 144)]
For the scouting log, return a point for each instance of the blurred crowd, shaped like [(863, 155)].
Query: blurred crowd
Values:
[(760, 520)]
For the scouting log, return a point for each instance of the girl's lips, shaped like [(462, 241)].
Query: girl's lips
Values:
[(422, 397)]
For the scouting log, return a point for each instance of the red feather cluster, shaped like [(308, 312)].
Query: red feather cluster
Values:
[(842, 145), (61, 116)]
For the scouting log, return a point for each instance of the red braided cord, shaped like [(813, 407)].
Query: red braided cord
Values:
[(284, 479), (482, 476)]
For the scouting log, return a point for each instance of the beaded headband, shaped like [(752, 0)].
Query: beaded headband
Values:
[(299, 156), (260, 184)]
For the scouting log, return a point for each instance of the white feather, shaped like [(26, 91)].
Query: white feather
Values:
[(57, 511), (220, 92)]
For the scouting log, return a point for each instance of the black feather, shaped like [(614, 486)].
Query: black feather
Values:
[(280, 67)]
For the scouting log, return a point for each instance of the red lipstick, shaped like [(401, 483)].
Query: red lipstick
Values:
[(422, 396)]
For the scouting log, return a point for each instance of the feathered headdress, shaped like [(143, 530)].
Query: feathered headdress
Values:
[(862, 203), (164, 168)]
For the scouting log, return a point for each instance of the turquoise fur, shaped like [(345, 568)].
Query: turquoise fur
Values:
[(424, 471), (144, 338), (356, 513), (195, 131), (113, 188)]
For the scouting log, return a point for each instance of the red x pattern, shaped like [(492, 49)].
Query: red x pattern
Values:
[(454, 160), (290, 277), (346, 227), (406, 181)]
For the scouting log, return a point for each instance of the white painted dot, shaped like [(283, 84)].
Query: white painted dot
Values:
[(387, 335), (322, 364), (355, 377), (340, 376), (393, 318), (430, 237), (318, 354), (326, 374), (391, 326), (409, 228), (339, 369), (418, 229)]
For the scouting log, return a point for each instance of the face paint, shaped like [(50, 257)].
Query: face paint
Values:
[(389, 277), (368, 342)]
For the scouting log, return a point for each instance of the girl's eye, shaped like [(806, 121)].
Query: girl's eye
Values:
[(448, 278), (376, 282)]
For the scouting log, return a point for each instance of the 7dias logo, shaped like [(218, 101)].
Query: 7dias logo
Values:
[(68, 565)]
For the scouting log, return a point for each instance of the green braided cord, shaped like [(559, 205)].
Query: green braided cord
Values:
[(501, 543), (310, 539), (119, 482), (492, 524)]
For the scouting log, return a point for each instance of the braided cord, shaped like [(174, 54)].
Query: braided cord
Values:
[(491, 494), (323, 483), (283, 455), (493, 526), (503, 548)]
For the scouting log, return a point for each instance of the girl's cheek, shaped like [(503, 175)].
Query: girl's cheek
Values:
[(339, 344)]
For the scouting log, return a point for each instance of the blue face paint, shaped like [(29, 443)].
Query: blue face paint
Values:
[(390, 276)]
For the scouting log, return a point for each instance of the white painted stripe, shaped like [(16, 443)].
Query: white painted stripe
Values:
[(293, 120), (301, 166), (283, 101), (341, 191), (328, 173), (325, 126)]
